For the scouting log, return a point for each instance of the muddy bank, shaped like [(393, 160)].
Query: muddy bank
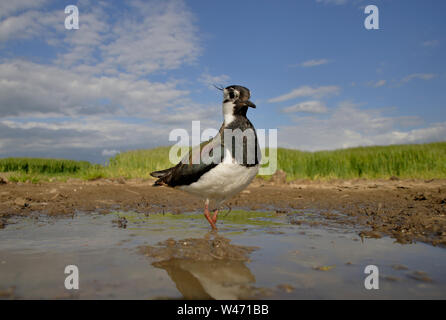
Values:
[(406, 210)]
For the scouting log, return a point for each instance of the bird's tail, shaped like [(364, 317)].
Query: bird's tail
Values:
[(160, 175)]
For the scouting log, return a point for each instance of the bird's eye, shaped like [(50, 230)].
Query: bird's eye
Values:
[(231, 95)]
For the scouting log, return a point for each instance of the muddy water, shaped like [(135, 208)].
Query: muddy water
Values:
[(254, 255)]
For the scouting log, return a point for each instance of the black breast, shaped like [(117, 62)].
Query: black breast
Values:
[(242, 123)]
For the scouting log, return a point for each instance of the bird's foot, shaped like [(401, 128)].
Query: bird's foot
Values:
[(212, 220)]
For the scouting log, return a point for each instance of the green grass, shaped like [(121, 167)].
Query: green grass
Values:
[(37, 169), (424, 161), (421, 161), (138, 163), (46, 166)]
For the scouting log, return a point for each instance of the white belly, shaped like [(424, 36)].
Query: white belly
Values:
[(223, 181)]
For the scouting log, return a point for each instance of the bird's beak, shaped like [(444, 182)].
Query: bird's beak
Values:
[(250, 104), (219, 88)]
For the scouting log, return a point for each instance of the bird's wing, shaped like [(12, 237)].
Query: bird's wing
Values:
[(197, 162)]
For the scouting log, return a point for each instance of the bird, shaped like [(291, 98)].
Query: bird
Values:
[(238, 157)]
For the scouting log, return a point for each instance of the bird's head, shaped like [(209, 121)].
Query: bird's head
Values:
[(234, 93), (236, 100)]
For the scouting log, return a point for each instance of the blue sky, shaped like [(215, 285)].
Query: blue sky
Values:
[(136, 70)]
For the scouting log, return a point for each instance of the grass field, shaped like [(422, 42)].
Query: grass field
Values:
[(422, 161)]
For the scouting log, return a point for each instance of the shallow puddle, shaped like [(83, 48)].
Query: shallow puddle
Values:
[(254, 255)]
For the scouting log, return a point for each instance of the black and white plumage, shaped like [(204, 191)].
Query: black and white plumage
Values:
[(219, 180)]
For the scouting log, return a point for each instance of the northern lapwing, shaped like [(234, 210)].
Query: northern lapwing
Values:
[(235, 160)]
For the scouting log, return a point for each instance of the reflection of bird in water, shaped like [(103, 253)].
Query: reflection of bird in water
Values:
[(206, 268), (223, 169), (218, 279)]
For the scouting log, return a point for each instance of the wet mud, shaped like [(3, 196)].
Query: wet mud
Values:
[(405, 210), (281, 240)]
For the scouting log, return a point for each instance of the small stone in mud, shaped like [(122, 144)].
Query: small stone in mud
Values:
[(296, 222), (21, 202), (323, 268), (420, 197), (275, 232), (120, 180), (399, 267), (420, 276), (170, 242), (58, 196), (370, 234), (121, 222), (286, 288)]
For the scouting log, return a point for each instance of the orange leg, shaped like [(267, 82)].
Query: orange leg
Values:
[(208, 217), (214, 217)]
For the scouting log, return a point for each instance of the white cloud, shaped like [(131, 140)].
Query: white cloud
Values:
[(307, 91), (96, 96), (210, 80), (350, 126), (8, 8), (86, 137), (30, 89), (421, 76), (91, 138), (313, 106), (152, 36), (179, 116), (31, 24), (313, 63), (378, 83), (430, 43), (158, 36)]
